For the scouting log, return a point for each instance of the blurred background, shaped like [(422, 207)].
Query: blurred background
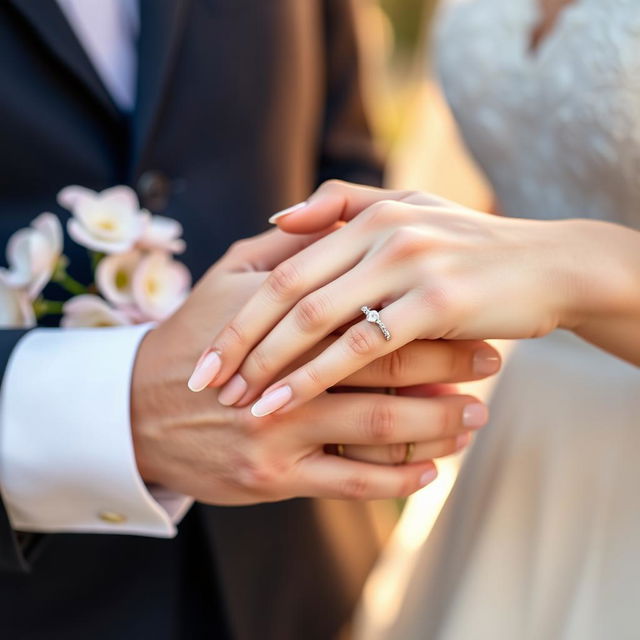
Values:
[(409, 114)]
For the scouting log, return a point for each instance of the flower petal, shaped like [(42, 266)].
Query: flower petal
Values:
[(70, 197), (160, 285), (16, 310), (84, 238), (163, 233), (91, 311), (114, 277)]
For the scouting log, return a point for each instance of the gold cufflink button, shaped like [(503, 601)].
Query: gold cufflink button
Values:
[(112, 517)]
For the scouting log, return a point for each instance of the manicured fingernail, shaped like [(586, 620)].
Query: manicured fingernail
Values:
[(427, 477), (475, 415), (206, 370), (272, 401), (286, 212), (485, 362), (462, 441), (232, 391)]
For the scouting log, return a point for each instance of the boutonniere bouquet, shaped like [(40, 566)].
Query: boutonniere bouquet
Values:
[(135, 277)]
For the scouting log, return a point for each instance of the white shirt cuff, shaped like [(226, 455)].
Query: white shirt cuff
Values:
[(67, 462)]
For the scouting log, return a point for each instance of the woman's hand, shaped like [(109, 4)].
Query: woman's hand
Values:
[(437, 270), (224, 455)]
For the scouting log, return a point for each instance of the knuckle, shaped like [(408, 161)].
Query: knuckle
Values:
[(259, 362), (354, 488), (312, 374), (379, 214), (239, 246), (311, 312), (359, 340), (257, 471), (397, 452), (379, 423), (394, 365), (405, 242), (233, 334), (444, 420), (284, 281), (332, 185)]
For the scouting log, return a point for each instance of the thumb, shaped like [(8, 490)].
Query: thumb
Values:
[(336, 202)]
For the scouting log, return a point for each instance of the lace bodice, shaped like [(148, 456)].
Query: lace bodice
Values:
[(556, 130)]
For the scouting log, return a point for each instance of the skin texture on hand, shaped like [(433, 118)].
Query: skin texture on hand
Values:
[(438, 271), (193, 444)]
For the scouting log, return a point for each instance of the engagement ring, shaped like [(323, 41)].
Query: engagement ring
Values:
[(374, 317)]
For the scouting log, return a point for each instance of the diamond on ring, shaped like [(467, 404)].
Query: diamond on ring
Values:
[(373, 316)]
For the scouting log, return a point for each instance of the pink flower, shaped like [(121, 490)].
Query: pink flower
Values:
[(110, 221), (32, 254), (163, 233), (16, 310), (160, 285), (91, 311), (114, 277)]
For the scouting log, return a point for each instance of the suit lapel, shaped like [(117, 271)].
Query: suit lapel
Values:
[(48, 22), (161, 26)]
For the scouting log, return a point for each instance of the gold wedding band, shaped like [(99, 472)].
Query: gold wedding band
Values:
[(340, 450), (408, 455)]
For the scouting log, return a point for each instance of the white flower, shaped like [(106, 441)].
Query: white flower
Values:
[(114, 277), (91, 311), (16, 310), (163, 233), (160, 285), (110, 221), (32, 254)]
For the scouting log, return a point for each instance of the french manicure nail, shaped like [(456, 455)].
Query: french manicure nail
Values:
[(427, 477), (206, 370), (485, 362), (232, 391), (272, 401), (286, 212), (475, 415)]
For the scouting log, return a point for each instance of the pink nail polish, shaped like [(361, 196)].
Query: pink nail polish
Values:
[(272, 401), (286, 212), (232, 391), (485, 362), (475, 415), (427, 477), (206, 370)]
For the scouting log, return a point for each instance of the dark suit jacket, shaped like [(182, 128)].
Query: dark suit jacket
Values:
[(244, 106)]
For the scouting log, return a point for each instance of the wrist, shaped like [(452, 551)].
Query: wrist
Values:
[(146, 400), (600, 272)]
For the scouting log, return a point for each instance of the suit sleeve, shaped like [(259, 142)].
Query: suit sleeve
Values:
[(348, 150), (67, 462)]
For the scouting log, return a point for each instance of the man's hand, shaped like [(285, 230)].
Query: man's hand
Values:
[(192, 444)]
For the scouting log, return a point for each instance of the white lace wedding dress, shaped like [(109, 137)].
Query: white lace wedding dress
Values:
[(540, 537)]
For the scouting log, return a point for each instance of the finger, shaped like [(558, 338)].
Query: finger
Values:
[(397, 453), (266, 250), (427, 361), (286, 284), (380, 419), (329, 476), (313, 318), (360, 345), (337, 201)]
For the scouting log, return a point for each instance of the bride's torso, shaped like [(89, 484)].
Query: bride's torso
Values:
[(556, 129)]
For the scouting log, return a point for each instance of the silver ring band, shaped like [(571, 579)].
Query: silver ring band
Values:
[(374, 316)]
